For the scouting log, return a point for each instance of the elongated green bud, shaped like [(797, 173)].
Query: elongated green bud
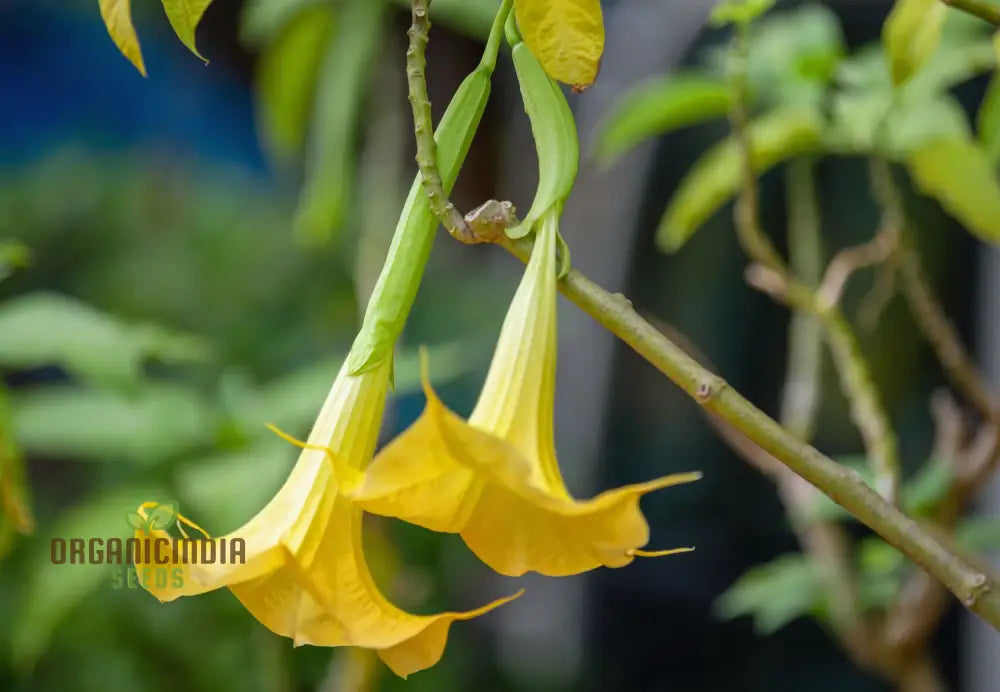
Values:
[(554, 131), (397, 285)]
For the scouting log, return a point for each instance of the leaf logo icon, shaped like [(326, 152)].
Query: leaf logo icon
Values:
[(160, 517)]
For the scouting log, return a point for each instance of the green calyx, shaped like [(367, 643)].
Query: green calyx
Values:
[(397, 285)]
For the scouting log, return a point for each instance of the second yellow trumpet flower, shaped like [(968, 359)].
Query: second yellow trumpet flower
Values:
[(495, 478)]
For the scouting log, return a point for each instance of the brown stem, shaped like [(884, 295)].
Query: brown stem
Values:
[(430, 177)]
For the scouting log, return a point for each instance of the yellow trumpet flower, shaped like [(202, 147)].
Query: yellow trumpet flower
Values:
[(301, 570), (495, 479)]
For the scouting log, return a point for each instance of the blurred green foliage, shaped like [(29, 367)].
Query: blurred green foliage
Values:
[(166, 315), (813, 98)]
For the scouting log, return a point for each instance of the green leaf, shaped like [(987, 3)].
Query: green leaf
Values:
[(911, 34), (959, 175), (660, 106), (988, 121), (714, 178), (53, 591), (155, 423), (793, 55), (915, 122), (42, 329), (774, 593), (870, 116), (953, 64), (287, 72), (184, 16), (117, 16), (340, 94), (136, 521), (567, 37)]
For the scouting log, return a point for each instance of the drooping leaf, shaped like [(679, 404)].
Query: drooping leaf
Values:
[(287, 70), (43, 329), (340, 93), (117, 16), (911, 34), (53, 590), (660, 106), (184, 16), (774, 593), (567, 37), (714, 178), (958, 174)]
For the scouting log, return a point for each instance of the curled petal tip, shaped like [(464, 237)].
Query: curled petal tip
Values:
[(635, 552), (468, 615)]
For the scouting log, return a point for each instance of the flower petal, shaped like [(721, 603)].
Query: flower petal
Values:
[(415, 478), (516, 527), (518, 396), (447, 475), (350, 603), (288, 527)]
